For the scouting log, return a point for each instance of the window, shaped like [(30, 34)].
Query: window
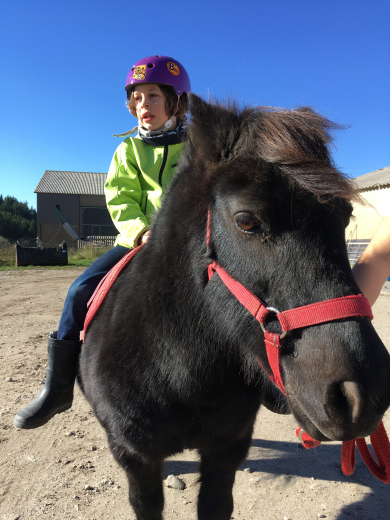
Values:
[(97, 222)]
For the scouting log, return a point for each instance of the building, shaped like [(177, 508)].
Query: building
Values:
[(82, 202), (374, 188)]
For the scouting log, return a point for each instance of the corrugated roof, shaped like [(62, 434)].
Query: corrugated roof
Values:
[(377, 179), (72, 183)]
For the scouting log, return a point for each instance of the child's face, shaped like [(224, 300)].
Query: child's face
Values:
[(150, 106)]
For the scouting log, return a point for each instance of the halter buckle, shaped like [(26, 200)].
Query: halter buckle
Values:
[(284, 332), (301, 432)]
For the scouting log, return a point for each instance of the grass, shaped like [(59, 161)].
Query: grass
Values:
[(86, 255), (7, 256), (76, 257)]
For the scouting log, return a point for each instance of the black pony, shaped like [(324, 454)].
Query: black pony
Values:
[(170, 361)]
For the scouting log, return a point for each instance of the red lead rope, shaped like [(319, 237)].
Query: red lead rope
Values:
[(381, 446), (321, 312)]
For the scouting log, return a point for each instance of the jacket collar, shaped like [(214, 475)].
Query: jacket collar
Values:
[(176, 136), (165, 140)]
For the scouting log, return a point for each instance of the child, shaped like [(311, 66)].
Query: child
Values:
[(140, 171)]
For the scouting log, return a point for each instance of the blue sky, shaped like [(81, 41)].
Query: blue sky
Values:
[(64, 65)]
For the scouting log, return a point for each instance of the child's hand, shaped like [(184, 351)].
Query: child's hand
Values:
[(145, 237)]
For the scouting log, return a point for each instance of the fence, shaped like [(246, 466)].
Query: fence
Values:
[(95, 241), (355, 248)]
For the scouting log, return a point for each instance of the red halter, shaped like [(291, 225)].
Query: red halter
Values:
[(313, 314)]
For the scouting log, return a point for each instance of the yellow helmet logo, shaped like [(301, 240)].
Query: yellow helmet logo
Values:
[(173, 68), (140, 72)]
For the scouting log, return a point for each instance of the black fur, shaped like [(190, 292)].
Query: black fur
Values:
[(170, 360)]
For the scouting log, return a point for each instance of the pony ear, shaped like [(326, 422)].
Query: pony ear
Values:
[(214, 129)]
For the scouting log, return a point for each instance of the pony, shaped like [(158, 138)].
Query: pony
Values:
[(172, 360)]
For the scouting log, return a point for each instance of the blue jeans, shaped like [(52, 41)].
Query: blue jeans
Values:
[(75, 307)]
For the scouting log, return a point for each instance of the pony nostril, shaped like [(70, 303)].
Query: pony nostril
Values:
[(344, 399), (352, 392)]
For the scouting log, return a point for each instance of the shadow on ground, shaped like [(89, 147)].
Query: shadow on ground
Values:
[(292, 460)]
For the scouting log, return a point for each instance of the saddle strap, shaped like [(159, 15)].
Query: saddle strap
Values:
[(104, 286)]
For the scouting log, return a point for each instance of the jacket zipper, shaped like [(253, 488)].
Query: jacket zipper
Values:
[(165, 157)]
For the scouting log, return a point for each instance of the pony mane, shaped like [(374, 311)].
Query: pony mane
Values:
[(295, 142), (298, 143)]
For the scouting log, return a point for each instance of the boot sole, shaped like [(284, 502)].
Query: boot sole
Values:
[(30, 426)]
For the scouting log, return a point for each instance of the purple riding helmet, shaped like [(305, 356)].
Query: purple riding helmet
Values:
[(159, 69)]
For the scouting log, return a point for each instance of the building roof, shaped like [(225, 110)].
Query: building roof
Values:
[(374, 180), (72, 183)]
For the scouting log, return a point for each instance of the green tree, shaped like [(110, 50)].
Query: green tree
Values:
[(17, 219)]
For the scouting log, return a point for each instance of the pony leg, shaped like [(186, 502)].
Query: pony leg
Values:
[(217, 472), (145, 483), (146, 491)]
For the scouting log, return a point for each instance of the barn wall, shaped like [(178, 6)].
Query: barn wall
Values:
[(368, 218), (97, 201), (49, 226), (53, 235)]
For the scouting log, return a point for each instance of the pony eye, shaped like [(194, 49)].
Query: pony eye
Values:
[(248, 223)]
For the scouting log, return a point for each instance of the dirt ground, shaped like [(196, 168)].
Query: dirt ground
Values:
[(64, 470)]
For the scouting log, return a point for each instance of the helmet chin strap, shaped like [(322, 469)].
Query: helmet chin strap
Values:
[(150, 133)]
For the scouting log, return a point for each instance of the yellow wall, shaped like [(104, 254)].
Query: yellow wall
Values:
[(368, 218)]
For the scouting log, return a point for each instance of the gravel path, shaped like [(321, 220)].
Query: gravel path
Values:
[(65, 471)]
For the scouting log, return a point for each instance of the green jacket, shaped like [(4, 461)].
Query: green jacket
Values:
[(139, 175)]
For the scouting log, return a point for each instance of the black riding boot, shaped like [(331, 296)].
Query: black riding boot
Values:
[(57, 394), (274, 400)]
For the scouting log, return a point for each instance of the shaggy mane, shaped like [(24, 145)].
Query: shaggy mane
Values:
[(296, 142)]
